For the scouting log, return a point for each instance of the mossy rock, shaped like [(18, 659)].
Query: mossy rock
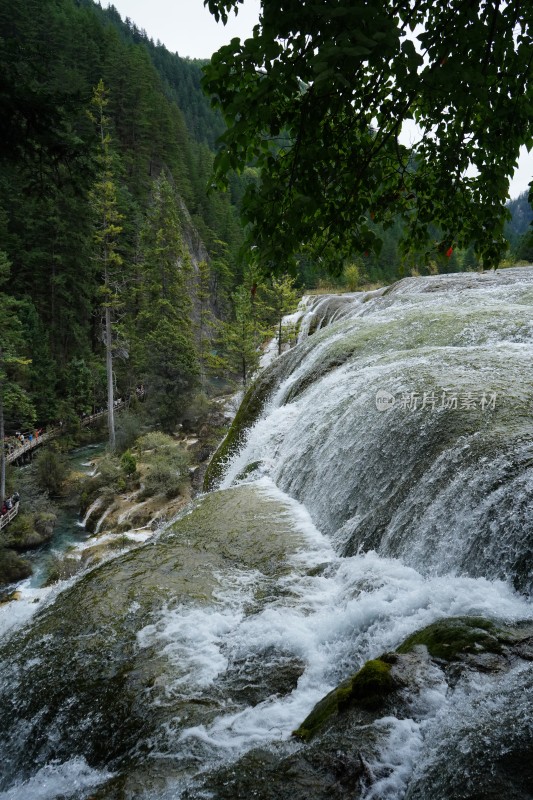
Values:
[(20, 526), (61, 569), (13, 568), (449, 639), (44, 524), (248, 470), (367, 689), (10, 598), (28, 531), (249, 410)]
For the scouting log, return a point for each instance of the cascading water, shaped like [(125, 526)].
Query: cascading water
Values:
[(385, 486)]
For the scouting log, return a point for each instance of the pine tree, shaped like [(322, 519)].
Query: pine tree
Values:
[(165, 348), (207, 323), (240, 337), (280, 298), (106, 238)]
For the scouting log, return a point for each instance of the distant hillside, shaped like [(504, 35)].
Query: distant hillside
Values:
[(180, 77), (521, 217), (154, 133)]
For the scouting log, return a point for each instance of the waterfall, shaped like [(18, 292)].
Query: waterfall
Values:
[(382, 488), (95, 505), (102, 519), (442, 476)]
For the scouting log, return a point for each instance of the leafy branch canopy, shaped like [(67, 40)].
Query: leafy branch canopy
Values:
[(317, 97)]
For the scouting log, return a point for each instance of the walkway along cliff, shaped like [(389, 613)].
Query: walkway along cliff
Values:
[(22, 451)]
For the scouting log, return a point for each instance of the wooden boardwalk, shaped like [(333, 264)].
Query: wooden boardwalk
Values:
[(28, 445), (22, 450), (36, 441), (11, 514)]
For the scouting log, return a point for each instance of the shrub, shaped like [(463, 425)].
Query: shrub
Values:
[(108, 471), (197, 411), (12, 567), (52, 470), (129, 426), (352, 277), (165, 476), (128, 463), (159, 443)]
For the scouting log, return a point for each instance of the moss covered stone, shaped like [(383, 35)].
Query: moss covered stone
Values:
[(28, 531), (13, 568), (449, 639), (249, 410), (248, 470), (366, 689), (100, 616)]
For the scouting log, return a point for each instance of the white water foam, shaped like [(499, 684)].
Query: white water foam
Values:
[(59, 780), (30, 600), (368, 606), (191, 637), (93, 507), (332, 622)]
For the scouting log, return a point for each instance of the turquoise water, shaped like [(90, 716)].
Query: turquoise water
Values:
[(68, 529)]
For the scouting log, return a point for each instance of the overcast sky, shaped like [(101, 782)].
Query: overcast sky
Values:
[(187, 27)]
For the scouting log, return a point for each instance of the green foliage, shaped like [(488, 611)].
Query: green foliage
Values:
[(79, 187), (155, 441), (207, 325), (129, 425), (280, 298), (171, 373), (128, 463), (241, 337), (352, 277), (13, 359), (164, 345), (107, 229), (79, 385), (165, 478), (109, 479), (317, 98), (524, 248), (167, 464), (12, 567), (469, 261), (52, 470), (15, 403)]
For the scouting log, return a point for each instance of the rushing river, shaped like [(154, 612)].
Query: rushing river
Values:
[(385, 485)]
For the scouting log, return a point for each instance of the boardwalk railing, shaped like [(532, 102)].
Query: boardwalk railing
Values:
[(31, 444), (11, 513), (28, 445), (117, 407)]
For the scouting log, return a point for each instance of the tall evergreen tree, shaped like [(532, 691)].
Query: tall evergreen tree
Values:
[(165, 347), (280, 298), (106, 232), (241, 336)]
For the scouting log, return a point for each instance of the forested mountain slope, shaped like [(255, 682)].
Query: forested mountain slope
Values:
[(53, 54)]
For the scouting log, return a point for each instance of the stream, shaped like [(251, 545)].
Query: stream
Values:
[(68, 530)]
